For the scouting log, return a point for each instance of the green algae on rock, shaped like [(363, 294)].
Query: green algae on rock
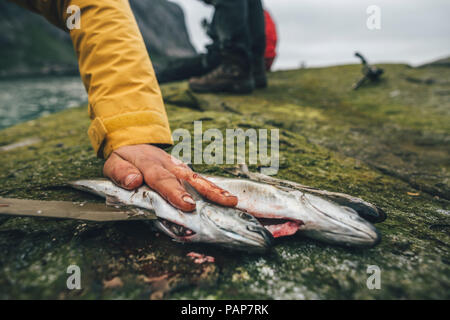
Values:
[(386, 143)]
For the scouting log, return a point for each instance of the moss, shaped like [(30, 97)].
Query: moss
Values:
[(386, 143)]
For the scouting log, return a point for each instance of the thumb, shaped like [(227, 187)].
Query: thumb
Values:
[(122, 172)]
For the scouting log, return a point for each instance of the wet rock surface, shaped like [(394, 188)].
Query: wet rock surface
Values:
[(386, 143)]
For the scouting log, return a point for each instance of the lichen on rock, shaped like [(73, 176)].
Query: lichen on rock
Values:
[(386, 143)]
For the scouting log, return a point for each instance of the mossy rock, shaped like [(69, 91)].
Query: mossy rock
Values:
[(387, 142)]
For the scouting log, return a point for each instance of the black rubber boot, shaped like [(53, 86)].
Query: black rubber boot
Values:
[(232, 75)]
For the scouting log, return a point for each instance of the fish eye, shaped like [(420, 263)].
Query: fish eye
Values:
[(246, 216)]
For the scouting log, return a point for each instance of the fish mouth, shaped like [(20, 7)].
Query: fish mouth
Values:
[(176, 230), (258, 241), (365, 240), (352, 231), (280, 227)]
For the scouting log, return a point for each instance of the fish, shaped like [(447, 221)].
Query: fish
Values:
[(209, 223), (364, 209), (281, 207), (286, 208)]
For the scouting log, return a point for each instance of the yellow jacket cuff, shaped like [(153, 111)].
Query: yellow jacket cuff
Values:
[(128, 129)]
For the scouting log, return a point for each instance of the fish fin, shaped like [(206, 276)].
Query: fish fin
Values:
[(239, 171), (91, 186), (113, 201), (138, 212), (80, 185)]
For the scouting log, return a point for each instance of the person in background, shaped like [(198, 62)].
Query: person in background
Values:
[(177, 69), (238, 29), (129, 125)]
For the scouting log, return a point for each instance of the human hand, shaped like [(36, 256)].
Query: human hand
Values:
[(130, 166)]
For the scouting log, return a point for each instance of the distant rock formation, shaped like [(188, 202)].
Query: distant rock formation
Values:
[(29, 45), (163, 27), (444, 62)]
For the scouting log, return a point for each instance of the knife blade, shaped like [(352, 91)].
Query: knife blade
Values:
[(72, 210)]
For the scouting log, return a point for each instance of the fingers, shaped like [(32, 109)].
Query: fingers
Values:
[(149, 160), (122, 172), (163, 174), (169, 187), (206, 188)]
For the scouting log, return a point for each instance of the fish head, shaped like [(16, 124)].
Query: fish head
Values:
[(214, 224), (332, 223), (234, 228)]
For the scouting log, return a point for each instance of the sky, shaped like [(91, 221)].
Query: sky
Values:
[(328, 32)]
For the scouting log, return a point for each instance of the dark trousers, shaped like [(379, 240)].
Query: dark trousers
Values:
[(237, 31), (238, 28)]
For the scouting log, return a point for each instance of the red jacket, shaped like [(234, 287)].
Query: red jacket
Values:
[(271, 40)]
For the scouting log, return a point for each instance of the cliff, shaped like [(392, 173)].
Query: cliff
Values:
[(30, 45)]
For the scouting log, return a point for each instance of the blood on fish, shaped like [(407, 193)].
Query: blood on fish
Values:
[(284, 229)]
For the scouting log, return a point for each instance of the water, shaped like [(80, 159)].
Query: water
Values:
[(26, 99)]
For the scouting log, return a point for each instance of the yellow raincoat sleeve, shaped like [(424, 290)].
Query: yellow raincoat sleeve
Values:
[(125, 102)]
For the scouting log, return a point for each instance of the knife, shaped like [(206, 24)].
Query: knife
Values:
[(72, 210)]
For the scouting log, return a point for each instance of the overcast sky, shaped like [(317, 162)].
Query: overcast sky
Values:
[(328, 32)]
